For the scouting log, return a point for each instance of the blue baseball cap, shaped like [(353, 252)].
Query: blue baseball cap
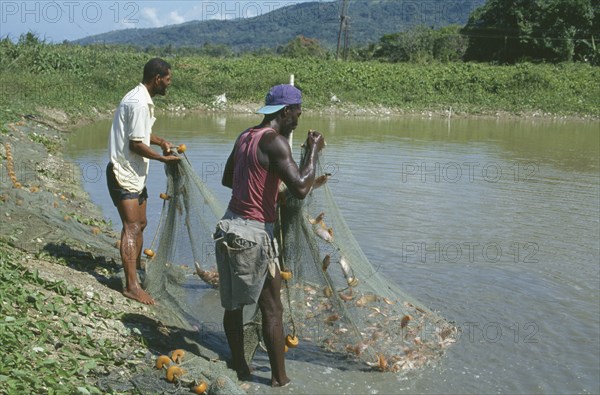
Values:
[(280, 96)]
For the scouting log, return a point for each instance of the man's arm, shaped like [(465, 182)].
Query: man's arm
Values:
[(143, 150), (162, 143), (298, 180), (227, 180), (137, 130)]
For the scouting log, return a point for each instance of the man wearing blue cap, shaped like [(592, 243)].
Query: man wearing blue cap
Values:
[(245, 247)]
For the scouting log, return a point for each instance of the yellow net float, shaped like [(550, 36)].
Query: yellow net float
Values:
[(291, 341), (162, 361)]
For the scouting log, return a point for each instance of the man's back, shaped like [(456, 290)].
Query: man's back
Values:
[(254, 187)]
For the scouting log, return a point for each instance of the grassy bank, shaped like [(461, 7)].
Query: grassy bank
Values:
[(82, 81), (56, 338), (65, 327)]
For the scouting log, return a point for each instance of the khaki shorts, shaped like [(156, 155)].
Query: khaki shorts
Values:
[(246, 252)]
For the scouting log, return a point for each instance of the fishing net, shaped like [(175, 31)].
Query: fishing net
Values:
[(336, 304), (337, 300), (40, 204), (181, 275)]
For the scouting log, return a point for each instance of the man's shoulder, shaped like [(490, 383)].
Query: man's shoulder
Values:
[(136, 97), (272, 142)]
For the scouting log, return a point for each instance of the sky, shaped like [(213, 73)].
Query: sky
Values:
[(56, 21)]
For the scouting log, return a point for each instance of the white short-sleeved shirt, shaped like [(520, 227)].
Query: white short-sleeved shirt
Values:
[(133, 121)]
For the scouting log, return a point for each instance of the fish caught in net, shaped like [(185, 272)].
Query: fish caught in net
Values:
[(335, 303), (337, 300)]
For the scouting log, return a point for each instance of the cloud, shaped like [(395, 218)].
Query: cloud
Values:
[(175, 17), (151, 15)]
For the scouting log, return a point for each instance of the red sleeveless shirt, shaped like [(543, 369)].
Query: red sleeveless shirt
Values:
[(255, 189)]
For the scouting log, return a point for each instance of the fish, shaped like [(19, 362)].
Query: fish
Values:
[(382, 362), (446, 343), (326, 235), (348, 272), (318, 219), (362, 301), (420, 310), (327, 292), (347, 297), (375, 312), (367, 298), (326, 262), (386, 300), (209, 277), (446, 332), (404, 321), (357, 349)]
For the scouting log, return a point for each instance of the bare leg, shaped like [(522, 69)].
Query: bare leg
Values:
[(233, 323), (133, 216), (272, 327)]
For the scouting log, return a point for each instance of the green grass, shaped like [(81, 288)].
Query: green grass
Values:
[(45, 347), (82, 80)]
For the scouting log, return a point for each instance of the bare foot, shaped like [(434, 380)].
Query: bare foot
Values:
[(282, 383), (139, 295), (245, 374)]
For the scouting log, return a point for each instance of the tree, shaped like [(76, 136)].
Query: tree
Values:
[(302, 47), (509, 31), (412, 45), (422, 44), (571, 22), (216, 50), (448, 44)]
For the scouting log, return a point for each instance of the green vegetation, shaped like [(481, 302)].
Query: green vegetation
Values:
[(303, 47), (536, 30), (84, 80), (45, 347), (419, 45), (52, 145)]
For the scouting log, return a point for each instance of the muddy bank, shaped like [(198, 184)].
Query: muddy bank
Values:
[(354, 110), (50, 227)]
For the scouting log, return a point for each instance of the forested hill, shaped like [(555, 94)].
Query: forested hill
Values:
[(369, 20)]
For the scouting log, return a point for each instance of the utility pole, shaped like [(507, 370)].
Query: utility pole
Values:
[(344, 29), (347, 39)]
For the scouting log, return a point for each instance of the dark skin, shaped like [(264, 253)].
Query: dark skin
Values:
[(275, 155), (133, 215)]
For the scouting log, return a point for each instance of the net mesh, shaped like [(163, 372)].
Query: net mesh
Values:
[(341, 309), (337, 300)]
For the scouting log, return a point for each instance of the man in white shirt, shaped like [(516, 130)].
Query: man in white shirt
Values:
[(127, 171)]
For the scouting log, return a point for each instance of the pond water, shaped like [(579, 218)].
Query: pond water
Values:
[(495, 224)]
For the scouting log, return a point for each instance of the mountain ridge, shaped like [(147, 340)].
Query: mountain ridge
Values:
[(368, 21)]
